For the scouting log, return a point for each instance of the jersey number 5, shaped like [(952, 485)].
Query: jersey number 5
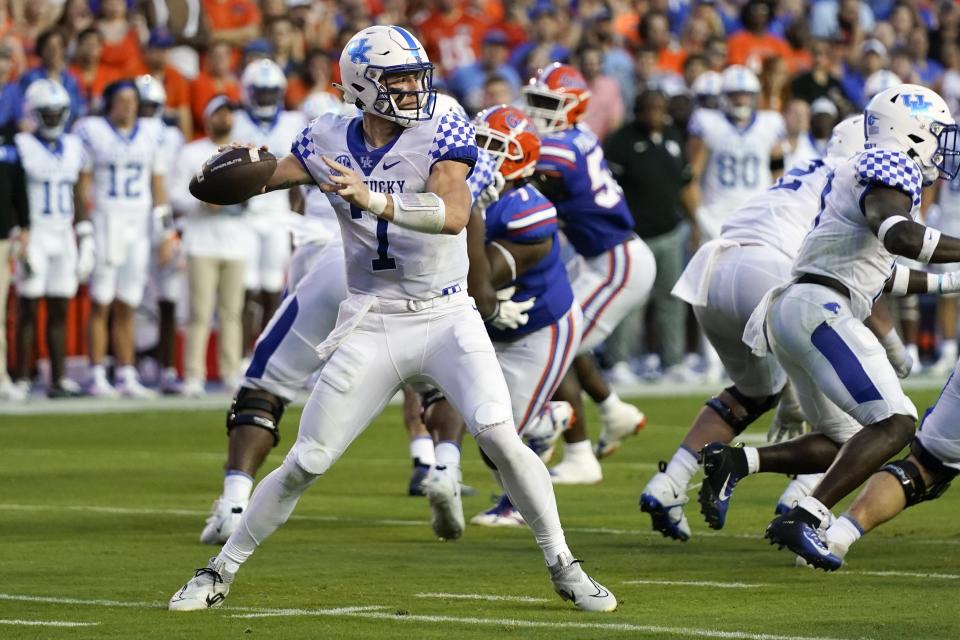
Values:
[(606, 191)]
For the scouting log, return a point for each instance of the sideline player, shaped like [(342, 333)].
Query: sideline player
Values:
[(724, 282), (614, 271), (169, 279), (814, 324), (407, 317), (264, 122), (130, 211), (51, 161)]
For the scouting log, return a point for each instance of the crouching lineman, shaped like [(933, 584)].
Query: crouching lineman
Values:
[(814, 324), (724, 282), (617, 269), (130, 212), (51, 162), (925, 474), (407, 317)]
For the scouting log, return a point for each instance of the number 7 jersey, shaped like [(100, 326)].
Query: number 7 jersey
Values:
[(383, 259)]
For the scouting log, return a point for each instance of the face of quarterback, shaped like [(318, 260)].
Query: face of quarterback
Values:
[(404, 87), (123, 111)]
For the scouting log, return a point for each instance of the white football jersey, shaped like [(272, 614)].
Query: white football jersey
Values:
[(276, 134), (318, 223), (384, 259), (122, 165), (51, 170), (782, 215), (739, 162), (171, 144), (841, 244)]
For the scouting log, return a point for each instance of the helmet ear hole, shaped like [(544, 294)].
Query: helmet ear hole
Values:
[(916, 138)]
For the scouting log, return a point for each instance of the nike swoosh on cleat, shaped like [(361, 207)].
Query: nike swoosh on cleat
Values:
[(723, 490), (601, 592), (817, 543), (214, 599)]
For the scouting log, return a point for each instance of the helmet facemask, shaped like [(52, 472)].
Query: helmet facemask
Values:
[(502, 148), (388, 102), (51, 121), (739, 112), (265, 101), (151, 110), (946, 159), (548, 109)]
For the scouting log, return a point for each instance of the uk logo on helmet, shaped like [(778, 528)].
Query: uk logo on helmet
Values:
[(358, 52), (918, 105)]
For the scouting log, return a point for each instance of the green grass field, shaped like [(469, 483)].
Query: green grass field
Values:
[(100, 516)]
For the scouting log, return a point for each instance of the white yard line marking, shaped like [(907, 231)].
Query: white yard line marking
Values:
[(903, 574), (641, 529), (479, 596), (373, 612), (47, 623), (700, 583)]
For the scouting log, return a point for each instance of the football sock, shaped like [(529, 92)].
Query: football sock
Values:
[(527, 482), (681, 468), (914, 353), (421, 450), (753, 459), (448, 454), (576, 449), (816, 508), (99, 372), (948, 351), (127, 373), (237, 486), (271, 504), (609, 403), (808, 481), (845, 531)]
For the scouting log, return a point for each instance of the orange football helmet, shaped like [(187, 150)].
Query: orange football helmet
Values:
[(511, 138), (556, 98)]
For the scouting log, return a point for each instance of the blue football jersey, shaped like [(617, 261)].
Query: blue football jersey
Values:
[(594, 213), (525, 215)]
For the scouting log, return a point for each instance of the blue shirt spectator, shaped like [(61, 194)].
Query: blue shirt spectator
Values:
[(51, 47), (825, 22), (467, 82)]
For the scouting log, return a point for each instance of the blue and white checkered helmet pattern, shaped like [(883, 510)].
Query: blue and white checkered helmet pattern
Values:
[(381, 51), (918, 122), (264, 86), (151, 93), (48, 104), (847, 138)]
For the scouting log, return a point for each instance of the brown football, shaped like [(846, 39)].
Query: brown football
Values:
[(233, 176)]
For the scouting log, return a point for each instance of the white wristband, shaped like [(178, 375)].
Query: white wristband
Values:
[(424, 212), (508, 257), (377, 203), (933, 282), (901, 280), (889, 223), (931, 237)]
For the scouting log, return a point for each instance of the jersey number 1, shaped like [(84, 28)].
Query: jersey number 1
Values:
[(382, 262)]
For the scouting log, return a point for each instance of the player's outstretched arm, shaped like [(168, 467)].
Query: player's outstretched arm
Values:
[(289, 173), (887, 211)]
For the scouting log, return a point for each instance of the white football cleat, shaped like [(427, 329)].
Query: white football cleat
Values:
[(573, 584), (542, 433), (207, 588), (442, 489), (100, 387), (502, 514), (664, 501), (131, 388), (18, 391), (193, 388), (222, 522), (620, 421), (579, 468)]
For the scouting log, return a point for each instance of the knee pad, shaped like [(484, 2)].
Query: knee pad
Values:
[(246, 407), (915, 489), (491, 414), (431, 397), (295, 477), (755, 408)]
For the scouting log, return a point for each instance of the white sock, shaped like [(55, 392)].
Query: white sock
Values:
[(753, 459), (681, 468), (448, 454), (527, 482), (237, 486), (574, 449), (948, 350), (127, 373), (270, 506), (817, 508), (844, 531), (914, 352), (421, 450), (808, 481), (99, 372), (610, 402)]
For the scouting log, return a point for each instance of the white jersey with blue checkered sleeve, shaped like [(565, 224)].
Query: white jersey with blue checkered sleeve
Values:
[(841, 244), (483, 172), (384, 259)]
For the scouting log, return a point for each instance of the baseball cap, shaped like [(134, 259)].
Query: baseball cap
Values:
[(495, 36), (216, 103), (874, 46), (258, 45), (160, 39), (824, 105)]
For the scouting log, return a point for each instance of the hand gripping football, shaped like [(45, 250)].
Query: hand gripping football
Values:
[(232, 176)]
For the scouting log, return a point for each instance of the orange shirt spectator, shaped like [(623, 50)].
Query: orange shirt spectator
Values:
[(451, 34), (749, 49), (314, 76), (156, 63), (217, 78), (233, 21), (121, 43), (92, 76)]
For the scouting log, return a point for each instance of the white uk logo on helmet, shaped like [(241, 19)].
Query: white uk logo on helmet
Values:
[(918, 122), (371, 59)]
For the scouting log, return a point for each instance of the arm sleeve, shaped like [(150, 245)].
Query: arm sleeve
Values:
[(454, 140), (892, 169)]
